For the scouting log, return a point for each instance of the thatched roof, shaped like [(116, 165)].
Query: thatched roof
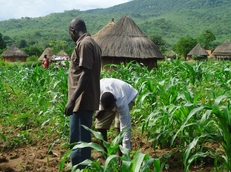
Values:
[(48, 51), (62, 53), (198, 50), (14, 51), (104, 30), (171, 54), (125, 39), (223, 50)]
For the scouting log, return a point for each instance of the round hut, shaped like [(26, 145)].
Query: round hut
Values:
[(49, 52), (62, 53), (223, 52), (14, 54), (198, 53), (125, 42), (171, 55)]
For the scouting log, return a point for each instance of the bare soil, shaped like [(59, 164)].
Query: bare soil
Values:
[(35, 157)]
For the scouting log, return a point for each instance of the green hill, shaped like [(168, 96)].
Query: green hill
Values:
[(167, 18)]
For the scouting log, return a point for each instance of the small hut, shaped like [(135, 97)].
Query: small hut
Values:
[(49, 52), (125, 42), (171, 55), (14, 54), (223, 52), (62, 53), (198, 53)]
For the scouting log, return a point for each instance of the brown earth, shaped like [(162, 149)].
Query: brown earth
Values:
[(34, 158)]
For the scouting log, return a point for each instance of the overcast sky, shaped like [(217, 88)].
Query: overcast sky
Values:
[(15, 9)]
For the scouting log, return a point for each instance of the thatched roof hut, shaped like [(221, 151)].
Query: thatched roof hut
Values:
[(223, 52), (62, 53), (104, 30), (171, 55), (125, 42), (49, 52), (14, 54), (198, 53)]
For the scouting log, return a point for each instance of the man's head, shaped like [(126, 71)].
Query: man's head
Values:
[(76, 28), (108, 101), (45, 56)]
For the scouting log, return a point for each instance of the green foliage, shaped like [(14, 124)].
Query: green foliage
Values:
[(222, 112), (206, 38), (2, 43), (58, 45), (30, 97), (33, 50), (169, 19), (3, 137), (22, 43), (139, 163), (7, 40), (181, 106), (32, 58), (184, 46), (160, 43)]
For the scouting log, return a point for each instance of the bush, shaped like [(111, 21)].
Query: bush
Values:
[(32, 58)]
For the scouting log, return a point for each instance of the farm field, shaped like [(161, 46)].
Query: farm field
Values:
[(181, 120)]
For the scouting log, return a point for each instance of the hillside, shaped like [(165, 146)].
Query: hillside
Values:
[(167, 18)]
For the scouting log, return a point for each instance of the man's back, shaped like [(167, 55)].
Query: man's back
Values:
[(123, 92)]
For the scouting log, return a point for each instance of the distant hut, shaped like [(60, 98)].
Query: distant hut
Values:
[(49, 52), (171, 55), (62, 53), (125, 42), (14, 54), (104, 30), (198, 53), (223, 52)]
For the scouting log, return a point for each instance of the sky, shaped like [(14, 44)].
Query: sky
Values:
[(16, 9)]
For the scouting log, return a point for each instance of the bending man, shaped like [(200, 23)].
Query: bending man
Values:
[(116, 100)]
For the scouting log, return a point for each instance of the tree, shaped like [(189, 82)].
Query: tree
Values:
[(22, 43), (8, 40), (184, 46), (2, 43), (57, 45), (33, 50), (160, 43), (206, 38)]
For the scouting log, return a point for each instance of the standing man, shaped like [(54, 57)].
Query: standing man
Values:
[(46, 62), (83, 88), (116, 100)]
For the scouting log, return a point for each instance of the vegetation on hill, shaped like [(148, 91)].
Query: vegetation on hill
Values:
[(168, 19)]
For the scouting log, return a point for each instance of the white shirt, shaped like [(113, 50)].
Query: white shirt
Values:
[(124, 93)]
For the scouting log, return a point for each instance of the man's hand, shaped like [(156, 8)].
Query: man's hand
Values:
[(69, 108), (99, 114)]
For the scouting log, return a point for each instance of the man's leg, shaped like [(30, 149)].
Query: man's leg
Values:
[(79, 133), (117, 128), (104, 134), (119, 153), (103, 124)]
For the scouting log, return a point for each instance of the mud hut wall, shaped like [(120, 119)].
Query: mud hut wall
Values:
[(149, 62), (14, 59), (223, 57)]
